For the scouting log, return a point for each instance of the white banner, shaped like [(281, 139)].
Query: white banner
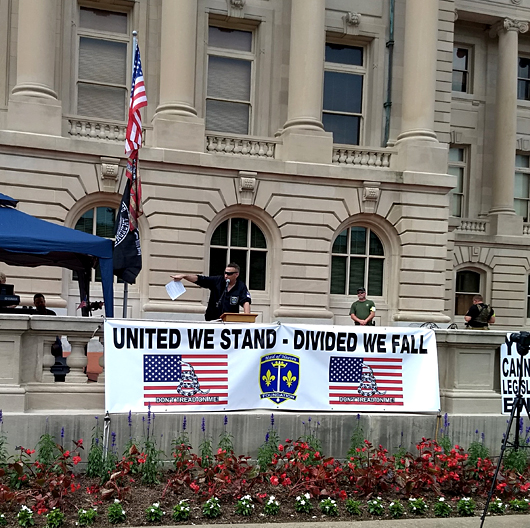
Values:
[(511, 362), (220, 367)]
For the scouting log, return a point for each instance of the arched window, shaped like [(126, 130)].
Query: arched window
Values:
[(468, 284), (241, 241), (97, 221), (357, 260)]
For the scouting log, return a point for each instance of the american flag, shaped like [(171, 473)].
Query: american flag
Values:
[(164, 373), (346, 374), (133, 137)]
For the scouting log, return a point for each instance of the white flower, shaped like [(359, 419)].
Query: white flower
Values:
[(156, 504), (391, 504), (441, 499), (116, 501)]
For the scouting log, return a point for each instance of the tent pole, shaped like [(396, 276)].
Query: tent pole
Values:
[(125, 296)]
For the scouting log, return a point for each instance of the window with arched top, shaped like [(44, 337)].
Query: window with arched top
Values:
[(468, 284), (357, 260), (97, 221), (241, 241)]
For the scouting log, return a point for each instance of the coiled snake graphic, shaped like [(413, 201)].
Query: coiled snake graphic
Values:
[(189, 383)]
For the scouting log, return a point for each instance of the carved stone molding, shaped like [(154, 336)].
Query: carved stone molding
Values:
[(371, 193), (508, 24), (523, 144), (236, 8), (456, 137), (516, 2), (247, 187), (352, 21), (109, 170), (456, 14)]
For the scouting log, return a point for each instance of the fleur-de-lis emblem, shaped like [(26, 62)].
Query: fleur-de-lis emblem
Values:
[(268, 378), (289, 378)]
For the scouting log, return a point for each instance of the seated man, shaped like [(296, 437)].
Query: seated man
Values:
[(40, 305)]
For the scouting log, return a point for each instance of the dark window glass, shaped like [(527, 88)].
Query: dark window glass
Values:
[(358, 241), (343, 92), (258, 262), (244, 250), (341, 54), (86, 222), (338, 274), (355, 264), (468, 281), (346, 129), (220, 235), (217, 261), (106, 219)]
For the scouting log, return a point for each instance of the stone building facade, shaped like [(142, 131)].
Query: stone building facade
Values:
[(322, 144)]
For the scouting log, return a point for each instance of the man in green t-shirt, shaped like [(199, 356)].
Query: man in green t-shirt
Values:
[(362, 311)]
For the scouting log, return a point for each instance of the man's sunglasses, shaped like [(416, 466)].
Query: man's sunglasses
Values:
[(230, 272)]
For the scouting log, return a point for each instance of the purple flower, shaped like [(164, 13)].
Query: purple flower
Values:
[(226, 420), (272, 421), (358, 416), (482, 436), (309, 419), (184, 423), (476, 431), (446, 423), (96, 440), (62, 432), (521, 424), (1, 417), (113, 434), (267, 437), (203, 425)]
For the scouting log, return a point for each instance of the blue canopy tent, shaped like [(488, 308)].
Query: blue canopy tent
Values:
[(29, 241)]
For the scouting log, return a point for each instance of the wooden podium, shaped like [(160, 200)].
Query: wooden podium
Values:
[(228, 317)]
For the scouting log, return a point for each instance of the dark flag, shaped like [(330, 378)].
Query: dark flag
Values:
[(127, 252)]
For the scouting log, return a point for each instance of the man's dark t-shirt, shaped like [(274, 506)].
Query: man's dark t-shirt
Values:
[(474, 312), (220, 300)]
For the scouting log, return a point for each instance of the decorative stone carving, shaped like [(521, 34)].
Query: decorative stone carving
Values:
[(523, 144), (456, 137), (236, 8), (109, 171), (351, 22), (352, 19), (509, 24), (516, 2), (247, 187), (371, 193), (456, 14)]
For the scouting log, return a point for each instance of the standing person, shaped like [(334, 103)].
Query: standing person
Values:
[(40, 305), (3, 278), (227, 292), (479, 315), (362, 311)]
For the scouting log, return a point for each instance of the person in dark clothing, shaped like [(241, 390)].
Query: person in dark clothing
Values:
[(40, 305), (227, 292), (479, 315)]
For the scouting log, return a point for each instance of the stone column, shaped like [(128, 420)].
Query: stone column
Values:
[(421, 159), (503, 219), (175, 124), (303, 135), (33, 105), (417, 143)]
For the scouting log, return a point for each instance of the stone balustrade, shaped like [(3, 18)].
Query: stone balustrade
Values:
[(361, 156), (473, 226), (234, 145)]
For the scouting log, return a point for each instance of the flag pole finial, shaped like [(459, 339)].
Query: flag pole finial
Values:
[(135, 33)]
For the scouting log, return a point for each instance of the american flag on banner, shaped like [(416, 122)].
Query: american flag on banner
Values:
[(365, 381), (185, 379)]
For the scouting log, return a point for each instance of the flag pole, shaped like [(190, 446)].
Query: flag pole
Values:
[(126, 284)]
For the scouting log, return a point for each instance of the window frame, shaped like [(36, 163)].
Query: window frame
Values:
[(251, 57), (482, 285), (248, 248), (353, 70), (469, 71), (526, 80), (366, 255), (525, 171), (464, 166), (108, 36)]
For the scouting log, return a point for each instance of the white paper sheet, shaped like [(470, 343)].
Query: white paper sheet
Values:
[(175, 289)]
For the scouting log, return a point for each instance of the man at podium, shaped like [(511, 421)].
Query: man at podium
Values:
[(227, 292)]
